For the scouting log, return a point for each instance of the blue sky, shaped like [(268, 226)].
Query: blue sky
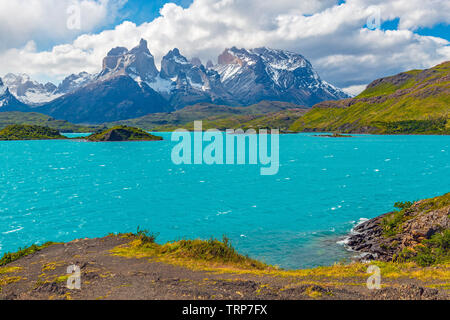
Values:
[(332, 34), (140, 11)]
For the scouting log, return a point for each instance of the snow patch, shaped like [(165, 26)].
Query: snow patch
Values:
[(161, 85)]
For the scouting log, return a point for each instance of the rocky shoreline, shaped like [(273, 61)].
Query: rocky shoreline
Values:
[(413, 225)]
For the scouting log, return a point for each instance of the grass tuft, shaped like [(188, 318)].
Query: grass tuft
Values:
[(186, 251)]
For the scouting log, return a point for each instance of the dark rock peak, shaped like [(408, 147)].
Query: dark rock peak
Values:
[(141, 48), (143, 43), (118, 51), (138, 63), (1, 82), (175, 53), (173, 63), (50, 87), (196, 62), (209, 64)]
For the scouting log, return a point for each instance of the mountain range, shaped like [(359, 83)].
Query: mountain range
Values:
[(130, 85), (412, 102)]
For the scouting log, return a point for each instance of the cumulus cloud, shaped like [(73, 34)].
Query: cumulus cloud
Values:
[(332, 36)]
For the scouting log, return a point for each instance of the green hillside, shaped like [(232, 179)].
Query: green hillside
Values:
[(275, 120), (39, 119), (414, 102), (264, 114)]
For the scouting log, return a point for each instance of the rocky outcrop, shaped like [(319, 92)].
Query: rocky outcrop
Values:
[(383, 239), (138, 63)]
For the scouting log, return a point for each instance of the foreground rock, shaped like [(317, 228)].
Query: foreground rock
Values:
[(29, 132), (418, 231), (122, 133)]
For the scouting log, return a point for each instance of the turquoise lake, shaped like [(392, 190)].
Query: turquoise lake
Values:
[(63, 190)]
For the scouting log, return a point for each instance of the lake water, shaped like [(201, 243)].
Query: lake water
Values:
[(63, 190)]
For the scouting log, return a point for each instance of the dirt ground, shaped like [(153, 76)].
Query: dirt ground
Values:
[(43, 276)]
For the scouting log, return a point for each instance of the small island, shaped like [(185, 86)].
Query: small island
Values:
[(29, 132), (122, 133), (334, 135)]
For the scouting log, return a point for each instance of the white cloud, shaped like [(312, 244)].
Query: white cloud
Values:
[(47, 20), (355, 90), (332, 36)]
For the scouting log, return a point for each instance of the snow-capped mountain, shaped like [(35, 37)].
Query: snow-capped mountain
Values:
[(181, 82), (9, 102), (33, 93), (268, 74), (138, 64), (120, 91), (28, 90), (74, 82), (130, 85), (190, 82)]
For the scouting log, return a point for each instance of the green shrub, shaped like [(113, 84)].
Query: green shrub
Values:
[(10, 257), (392, 222), (403, 205), (145, 236), (435, 250)]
